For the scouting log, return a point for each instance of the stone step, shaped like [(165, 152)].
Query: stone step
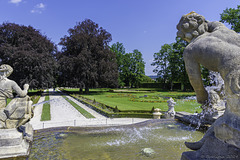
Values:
[(10, 137), (15, 151)]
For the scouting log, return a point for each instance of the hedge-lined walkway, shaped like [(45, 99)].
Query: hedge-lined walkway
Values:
[(64, 114)]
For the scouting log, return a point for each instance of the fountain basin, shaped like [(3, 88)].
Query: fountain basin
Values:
[(165, 137)]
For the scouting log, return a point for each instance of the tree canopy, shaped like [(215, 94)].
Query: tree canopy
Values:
[(169, 63), (86, 60), (131, 66), (30, 53), (231, 16), (170, 66)]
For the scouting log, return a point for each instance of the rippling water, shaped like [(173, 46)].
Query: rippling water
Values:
[(116, 143)]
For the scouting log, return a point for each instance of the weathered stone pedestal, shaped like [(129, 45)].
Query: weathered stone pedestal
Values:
[(12, 144), (213, 149), (157, 114)]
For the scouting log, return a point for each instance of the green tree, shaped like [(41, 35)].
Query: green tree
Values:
[(132, 69), (126, 74), (119, 50), (30, 53), (179, 47), (161, 63), (170, 65), (86, 60), (146, 79), (232, 17), (137, 68)]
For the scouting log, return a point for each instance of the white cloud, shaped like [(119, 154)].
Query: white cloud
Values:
[(15, 1), (38, 8), (40, 5)]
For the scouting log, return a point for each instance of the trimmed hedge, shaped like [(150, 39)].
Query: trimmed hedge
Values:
[(117, 113), (166, 86)]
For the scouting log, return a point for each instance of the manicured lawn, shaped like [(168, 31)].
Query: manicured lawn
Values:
[(46, 114), (143, 99)]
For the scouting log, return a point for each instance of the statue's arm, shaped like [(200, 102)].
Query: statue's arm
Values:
[(194, 74), (18, 90)]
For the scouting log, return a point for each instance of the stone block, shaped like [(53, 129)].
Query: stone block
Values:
[(2, 124), (20, 150), (12, 144), (14, 104), (10, 137), (3, 116), (11, 123), (18, 113)]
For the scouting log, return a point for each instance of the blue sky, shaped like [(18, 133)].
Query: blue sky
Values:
[(139, 24)]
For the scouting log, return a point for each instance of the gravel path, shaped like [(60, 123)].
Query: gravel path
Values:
[(64, 114), (61, 110)]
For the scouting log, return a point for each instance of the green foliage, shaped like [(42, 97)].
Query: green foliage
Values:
[(146, 79), (205, 76), (123, 100), (35, 98), (152, 109), (86, 60), (133, 69), (161, 62), (116, 109), (8, 101), (30, 53), (119, 50), (232, 17), (130, 66), (170, 65), (107, 113)]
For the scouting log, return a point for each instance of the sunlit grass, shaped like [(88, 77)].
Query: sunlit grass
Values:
[(142, 101), (46, 114)]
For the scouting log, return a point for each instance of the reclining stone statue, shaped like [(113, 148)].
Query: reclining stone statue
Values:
[(19, 110), (216, 47)]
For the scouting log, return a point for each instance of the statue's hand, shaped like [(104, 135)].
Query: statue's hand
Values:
[(26, 86)]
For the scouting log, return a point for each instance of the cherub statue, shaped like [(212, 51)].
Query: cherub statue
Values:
[(216, 47), (171, 112), (19, 110)]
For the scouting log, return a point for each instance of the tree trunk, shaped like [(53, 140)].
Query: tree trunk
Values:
[(87, 90), (80, 90), (171, 86)]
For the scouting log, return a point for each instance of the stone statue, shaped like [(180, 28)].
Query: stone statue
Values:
[(19, 110), (217, 48), (15, 131), (215, 106), (171, 112)]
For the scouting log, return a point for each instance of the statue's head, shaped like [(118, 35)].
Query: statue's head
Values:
[(191, 25), (6, 70)]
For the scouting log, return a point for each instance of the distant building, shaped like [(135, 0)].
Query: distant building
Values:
[(154, 77)]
